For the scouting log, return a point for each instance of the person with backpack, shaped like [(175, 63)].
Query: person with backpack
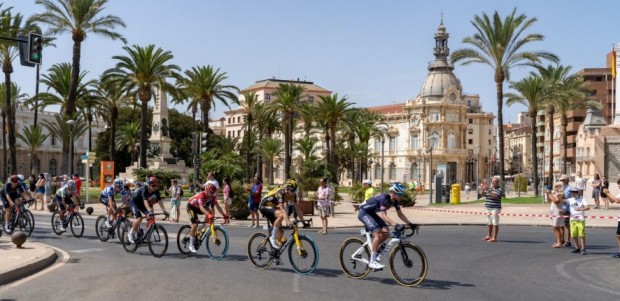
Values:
[(176, 193)]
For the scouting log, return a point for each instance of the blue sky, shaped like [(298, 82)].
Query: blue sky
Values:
[(375, 52)]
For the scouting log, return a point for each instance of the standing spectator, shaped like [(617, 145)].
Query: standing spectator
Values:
[(604, 186), (412, 185), (78, 184), (255, 196), (323, 197), (467, 190), (40, 192), (578, 206), (596, 191), (227, 197), (556, 197), (369, 191), (615, 199), (32, 186), (566, 209), (175, 201), (493, 207), (580, 183)]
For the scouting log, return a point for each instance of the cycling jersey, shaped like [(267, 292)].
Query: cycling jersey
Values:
[(200, 199), (138, 197), (64, 192), (276, 196), (380, 202), (108, 193), (13, 192)]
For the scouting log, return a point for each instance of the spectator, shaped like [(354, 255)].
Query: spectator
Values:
[(212, 181), (615, 199), (412, 185), (32, 186), (493, 207), (323, 196), (566, 209), (467, 190), (580, 183), (255, 196), (556, 197), (175, 201), (578, 206), (40, 191), (596, 191), (227, 197), (369, 191), (604, 186)]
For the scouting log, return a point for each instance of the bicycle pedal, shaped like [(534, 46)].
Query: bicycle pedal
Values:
[(377, 270)]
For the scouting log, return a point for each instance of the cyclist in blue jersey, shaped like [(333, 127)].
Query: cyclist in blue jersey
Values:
[(107, 198), (65, 196), (372, 214), (141, 199)]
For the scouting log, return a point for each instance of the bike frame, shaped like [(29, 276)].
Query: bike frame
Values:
[(294, 237)]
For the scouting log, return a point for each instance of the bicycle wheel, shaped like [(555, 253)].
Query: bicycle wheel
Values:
[(217, 246), (24, 223), (158, 241), (408, 264), (183, 240), (354, 258), (56, 223), (101, 228), (303, 259), (77, 225), (120, 225), (259, 251), (31, 217), (129, 247)]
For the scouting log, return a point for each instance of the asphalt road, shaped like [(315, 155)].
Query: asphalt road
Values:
[(461, 267)]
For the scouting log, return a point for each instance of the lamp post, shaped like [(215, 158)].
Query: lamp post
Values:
[(71, 123), (477, 171), (383, 129), (431, 141)]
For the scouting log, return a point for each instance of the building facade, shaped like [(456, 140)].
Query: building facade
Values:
[(518, 146)]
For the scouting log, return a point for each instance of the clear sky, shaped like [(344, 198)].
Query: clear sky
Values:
[(375, 52)]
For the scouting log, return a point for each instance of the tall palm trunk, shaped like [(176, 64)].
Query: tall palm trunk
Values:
[(75, 74), (564, 123), (533, 152), (333, 164), (499, 82), (7, 68), (205, 108), (144, 95), (5, 170), (551, 130), (247, 151), (113, 134), (287, 142)]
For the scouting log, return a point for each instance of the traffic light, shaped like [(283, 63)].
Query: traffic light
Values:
[(35, 48), (203, 142)]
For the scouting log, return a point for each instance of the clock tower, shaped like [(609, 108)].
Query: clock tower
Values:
[(160, 128)]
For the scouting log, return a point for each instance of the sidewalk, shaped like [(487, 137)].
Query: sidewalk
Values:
[(18, 263)]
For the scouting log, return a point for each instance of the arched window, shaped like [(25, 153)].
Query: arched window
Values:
[(415, 141), (414, 172), (451, 140), (378, 171), (392, 171), (435, 140), (53, 170)]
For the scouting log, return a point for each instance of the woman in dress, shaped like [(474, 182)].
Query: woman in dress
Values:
[(596, 191), (556, 198)]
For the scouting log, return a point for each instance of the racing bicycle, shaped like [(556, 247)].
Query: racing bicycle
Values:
[(155, 236), (303, 253), (407, 262), (73, 220), (104, 232), (21, 218), (214, 236)]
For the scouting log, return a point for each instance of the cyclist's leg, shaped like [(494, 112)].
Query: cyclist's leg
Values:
[(277, 224), (7, 208)]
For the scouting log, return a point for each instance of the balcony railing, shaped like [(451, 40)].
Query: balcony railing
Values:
[(585, 158)]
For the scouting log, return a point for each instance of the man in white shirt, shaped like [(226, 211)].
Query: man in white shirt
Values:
[(580, 183), (212, 181), (615, 199)]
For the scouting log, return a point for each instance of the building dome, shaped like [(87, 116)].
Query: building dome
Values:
[(440, 76)]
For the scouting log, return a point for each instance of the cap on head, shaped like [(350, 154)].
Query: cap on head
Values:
[(367, 181), (574, 189), (563, 177)]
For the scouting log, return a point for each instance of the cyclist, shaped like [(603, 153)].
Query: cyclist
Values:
[(143, 198), (197, 205), (65, 196), (107, 198), (373, 215), (10, 194), (273, 207)]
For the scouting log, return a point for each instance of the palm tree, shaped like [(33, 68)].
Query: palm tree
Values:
[(58, 81), (140, 73), (112, 99), (128, 137), (33, 137), (249, 103), (17, 96), (332, 111), (288, 99), (499, 44), (531, 94), (271, 148), (67, 133), (78, 18), (205, 85), (266, 124)]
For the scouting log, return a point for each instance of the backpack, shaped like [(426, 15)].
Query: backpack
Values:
[(180, 193)]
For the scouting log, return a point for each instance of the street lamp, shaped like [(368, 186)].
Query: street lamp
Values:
[(431, 141), (71, 123), (383, 129), (477, 171)]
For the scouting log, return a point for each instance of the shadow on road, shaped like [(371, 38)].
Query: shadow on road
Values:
[(442, 284)]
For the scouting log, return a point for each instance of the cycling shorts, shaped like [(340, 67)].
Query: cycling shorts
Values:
[(269, 213), (104, 200), (5, 202), (194, 213), (372, 222), (61, 206), (137, 208)]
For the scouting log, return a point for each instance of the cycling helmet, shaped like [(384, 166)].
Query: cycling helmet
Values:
[(14, 179), (291, 184), (397, 189), (211, 188), (119, 183), (71, 185), (21, 177), (138, 184), (151, 181)]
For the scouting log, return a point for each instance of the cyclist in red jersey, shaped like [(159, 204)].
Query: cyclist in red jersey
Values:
[(197, 205)]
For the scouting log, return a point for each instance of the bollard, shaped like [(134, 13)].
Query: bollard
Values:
[(18, 238)]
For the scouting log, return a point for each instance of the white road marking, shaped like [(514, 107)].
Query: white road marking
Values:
[(87, 250), (560, 269), (296, 283)]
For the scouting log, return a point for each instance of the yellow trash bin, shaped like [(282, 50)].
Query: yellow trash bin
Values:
[(456, 194)]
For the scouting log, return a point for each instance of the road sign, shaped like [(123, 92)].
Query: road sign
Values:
[(83, 157), (85, 161), (92, 154)]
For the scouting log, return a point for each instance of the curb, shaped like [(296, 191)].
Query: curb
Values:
[(30, 267)]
